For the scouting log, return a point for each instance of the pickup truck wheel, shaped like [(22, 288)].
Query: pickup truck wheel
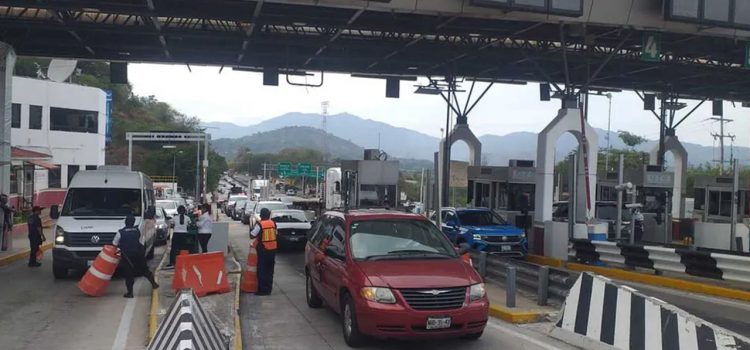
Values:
[(353, 337), (313, 299), (59, 272)]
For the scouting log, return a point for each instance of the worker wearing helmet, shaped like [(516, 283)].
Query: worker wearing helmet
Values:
[(263, 237), (130, 242)]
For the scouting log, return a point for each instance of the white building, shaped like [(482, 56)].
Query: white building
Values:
[(65, 121)]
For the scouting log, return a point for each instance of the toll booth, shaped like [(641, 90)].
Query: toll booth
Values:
[(370, 183), (713, 199), (503, 189), (712, 212), (654, 192)]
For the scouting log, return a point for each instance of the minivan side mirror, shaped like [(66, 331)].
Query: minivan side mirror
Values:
[(54, 212), (451, 223)]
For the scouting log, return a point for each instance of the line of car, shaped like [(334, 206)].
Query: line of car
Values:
[(292, 224)]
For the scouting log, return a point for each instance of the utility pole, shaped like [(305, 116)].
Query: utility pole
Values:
[(324, 106), (721, 136)]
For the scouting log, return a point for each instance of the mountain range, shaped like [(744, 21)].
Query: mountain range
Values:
[(349, 134)]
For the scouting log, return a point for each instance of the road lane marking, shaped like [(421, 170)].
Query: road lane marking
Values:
[(123, 330), (515, 333)]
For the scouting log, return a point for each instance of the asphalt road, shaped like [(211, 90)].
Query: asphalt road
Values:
[(284, 321), (730, 314), (39, 312)]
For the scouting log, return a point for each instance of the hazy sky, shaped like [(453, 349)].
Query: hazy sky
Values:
[(241, 98)]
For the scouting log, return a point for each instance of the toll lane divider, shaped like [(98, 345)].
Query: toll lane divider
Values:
[(21, 255), (626, 319), (702, 263), (187, 326), (154, 310)]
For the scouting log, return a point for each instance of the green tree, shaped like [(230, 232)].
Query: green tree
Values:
[(630, 139)]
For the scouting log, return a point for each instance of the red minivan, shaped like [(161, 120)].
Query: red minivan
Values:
[(392, 275)]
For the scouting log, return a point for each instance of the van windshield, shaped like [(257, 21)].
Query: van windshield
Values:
[(102, 202)]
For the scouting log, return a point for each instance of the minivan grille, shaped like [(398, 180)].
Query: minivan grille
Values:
[(435, 299), (83, 239)]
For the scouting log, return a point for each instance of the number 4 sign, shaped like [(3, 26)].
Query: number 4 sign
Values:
[(651, 47)]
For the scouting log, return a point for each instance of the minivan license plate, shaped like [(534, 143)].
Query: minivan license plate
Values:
[(438, 322)]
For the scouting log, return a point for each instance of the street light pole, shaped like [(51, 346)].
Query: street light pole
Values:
[(174, 161)]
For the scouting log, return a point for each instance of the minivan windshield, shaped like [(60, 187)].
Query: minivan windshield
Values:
[(102, 202), (480, 218), (398, 239)]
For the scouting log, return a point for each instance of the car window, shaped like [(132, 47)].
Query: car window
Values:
[(338, 234), (314, 230), (292, 216), (166, 204), (323, 237), (480, 218), (449, 216), (398, 239)]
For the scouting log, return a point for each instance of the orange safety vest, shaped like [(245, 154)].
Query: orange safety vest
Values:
[(267, 235)]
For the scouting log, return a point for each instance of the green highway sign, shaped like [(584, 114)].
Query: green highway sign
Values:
[(304, 169), (284, 169), (651, 47)]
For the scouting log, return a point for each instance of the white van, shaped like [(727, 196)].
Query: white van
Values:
[(94, 210)]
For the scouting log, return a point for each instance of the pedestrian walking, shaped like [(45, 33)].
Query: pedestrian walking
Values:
[(36, 235), (6, 222), (205, 227), (179, 234), (133, 252), (263, 236)]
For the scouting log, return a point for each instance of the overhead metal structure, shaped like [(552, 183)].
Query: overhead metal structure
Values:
[(404, 38)]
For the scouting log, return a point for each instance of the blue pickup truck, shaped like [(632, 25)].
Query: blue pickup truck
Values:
[(484, 230)]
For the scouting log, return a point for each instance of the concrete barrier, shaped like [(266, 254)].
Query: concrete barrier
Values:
[(622, 317), (187, 327)]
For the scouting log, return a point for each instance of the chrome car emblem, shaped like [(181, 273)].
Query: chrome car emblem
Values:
[(505, 238), (433, 292), (95, 239)]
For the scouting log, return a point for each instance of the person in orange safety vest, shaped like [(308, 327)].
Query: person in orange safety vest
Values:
[(263, 235)]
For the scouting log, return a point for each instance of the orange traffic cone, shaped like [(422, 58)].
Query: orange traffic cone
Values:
[(250, 276), (94, 283)]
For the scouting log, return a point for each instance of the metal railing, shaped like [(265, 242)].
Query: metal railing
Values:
[(546, 282)]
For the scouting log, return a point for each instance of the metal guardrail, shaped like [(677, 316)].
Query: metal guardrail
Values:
[(544, 281)]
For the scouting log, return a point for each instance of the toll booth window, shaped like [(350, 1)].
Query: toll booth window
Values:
[(74, 120), (716, 10), (15, 116), (714, 199), (35, 117), (700, 199), (566, 5), (726, 204), (538, 4), (742, 13)]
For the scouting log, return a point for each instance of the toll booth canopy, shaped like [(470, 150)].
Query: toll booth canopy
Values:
[(713, 199), (503, 188)]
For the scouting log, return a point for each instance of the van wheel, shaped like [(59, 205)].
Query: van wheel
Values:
[(313, 299), (150, 254), (353, 337), (59, 272)]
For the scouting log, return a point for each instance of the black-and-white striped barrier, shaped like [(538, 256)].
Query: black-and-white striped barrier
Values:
[(187, 327), (621, 317), (703, 263)]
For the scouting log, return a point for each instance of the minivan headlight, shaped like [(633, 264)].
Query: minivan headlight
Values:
[(477, 292), (379, 295), (59, 235)]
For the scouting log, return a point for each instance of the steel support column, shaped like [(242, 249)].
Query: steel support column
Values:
[(7, 62)]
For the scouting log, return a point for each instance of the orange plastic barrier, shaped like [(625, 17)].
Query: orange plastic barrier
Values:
[(250, 276), (96, 280), (203, 273)]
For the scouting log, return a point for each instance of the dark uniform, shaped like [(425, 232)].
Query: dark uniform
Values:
[(266, 244), (36, 237), (133, 256)]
